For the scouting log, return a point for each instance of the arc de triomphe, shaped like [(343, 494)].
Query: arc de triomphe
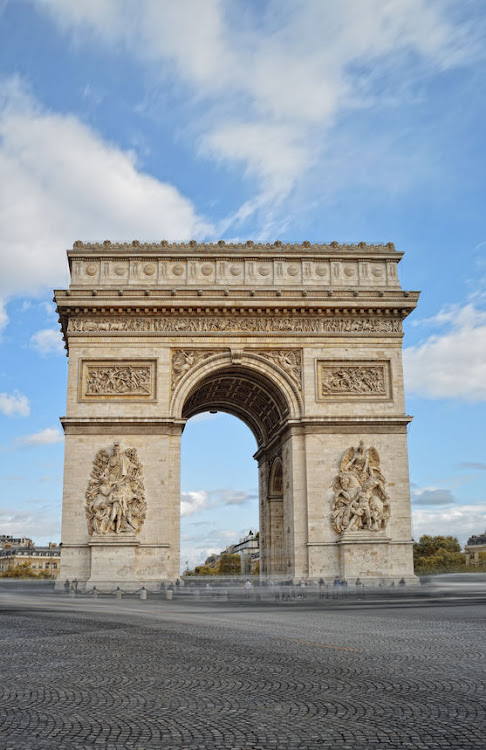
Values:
[(301, 342)]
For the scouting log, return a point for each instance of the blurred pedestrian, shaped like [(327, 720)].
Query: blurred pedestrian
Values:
[(336, 588), (323, 589), (303, 584), (359, 588)]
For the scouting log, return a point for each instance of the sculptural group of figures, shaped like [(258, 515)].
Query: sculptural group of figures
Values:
[(360, 498), (118, 380), (115, 500), (211, 323), (353, 380)]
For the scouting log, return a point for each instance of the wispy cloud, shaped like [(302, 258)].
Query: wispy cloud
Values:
[(200, 500), (47, 341), (14, 404), (476, 465), (48, 436), (294, 70), (3, 315), (432, 496), (233, 497)]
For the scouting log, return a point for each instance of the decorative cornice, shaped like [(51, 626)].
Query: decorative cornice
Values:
[(350, 425), (193, 246), (121, 425)]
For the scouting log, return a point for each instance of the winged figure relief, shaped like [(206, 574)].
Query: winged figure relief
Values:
[(360, 497)]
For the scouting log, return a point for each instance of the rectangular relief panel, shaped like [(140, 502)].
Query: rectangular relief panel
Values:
[(117, 380), (353, 380)]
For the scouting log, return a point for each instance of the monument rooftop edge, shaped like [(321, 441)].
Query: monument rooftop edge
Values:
[(202, 266), (164, 247)]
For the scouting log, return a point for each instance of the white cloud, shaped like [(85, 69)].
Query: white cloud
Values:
[(195, 549), (62, 182), (205, 416), (199, 500), (15, 404), (233, 497), (47, 341), (194, 502), (41, 524), (45, 437), (293, 69), (460, 521), (3, 315), (451, 364)]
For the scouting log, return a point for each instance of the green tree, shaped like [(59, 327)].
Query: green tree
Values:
[(438, 554), (204, 570), (229, 565), (24, 570)]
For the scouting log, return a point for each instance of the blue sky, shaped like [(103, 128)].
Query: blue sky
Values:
[(278, 119)]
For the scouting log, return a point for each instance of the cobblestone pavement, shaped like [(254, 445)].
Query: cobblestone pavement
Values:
[(142, 675)]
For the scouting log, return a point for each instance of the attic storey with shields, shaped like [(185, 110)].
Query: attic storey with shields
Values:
[(301, 342)]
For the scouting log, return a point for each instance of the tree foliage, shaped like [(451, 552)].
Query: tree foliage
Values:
[(229, 565), (24, 570), (438, 554), (203, 570), (226, 565)]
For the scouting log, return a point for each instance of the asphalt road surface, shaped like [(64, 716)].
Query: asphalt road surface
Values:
[(78, 673)]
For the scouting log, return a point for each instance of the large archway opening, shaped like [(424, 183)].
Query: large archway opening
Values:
[(259, 402), (219, 489)]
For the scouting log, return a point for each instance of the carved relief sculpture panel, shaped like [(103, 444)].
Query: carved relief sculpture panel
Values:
[(184, 360), (117, 380), (115, 498), (215, 324), (353, 380), (360, 498), (289, 360)]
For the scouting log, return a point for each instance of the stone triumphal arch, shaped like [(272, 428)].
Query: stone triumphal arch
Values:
[(301, 342)]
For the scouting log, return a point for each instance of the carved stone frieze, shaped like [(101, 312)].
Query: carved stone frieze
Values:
[(117, 380), (216, 324), (289, 360), (360, 498), (115, 498), (184, 360), (353, 380)]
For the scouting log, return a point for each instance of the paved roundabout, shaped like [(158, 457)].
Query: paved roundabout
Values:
[(142, 675)]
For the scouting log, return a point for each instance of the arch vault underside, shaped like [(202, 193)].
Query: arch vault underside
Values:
[(245, 394), (302, 343)]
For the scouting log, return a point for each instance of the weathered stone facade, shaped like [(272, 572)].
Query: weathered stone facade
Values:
[(302, 342)]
